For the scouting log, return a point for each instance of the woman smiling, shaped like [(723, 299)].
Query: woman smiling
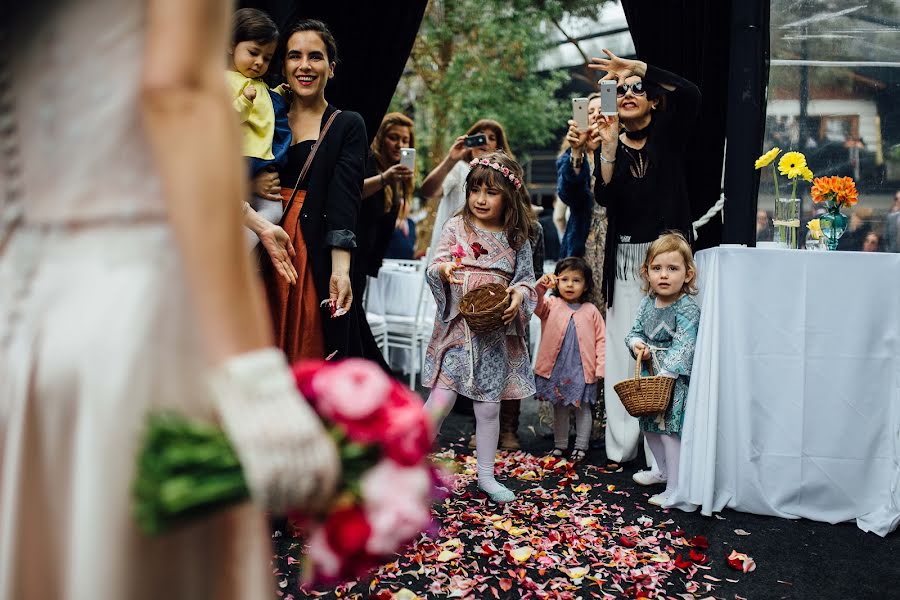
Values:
[(322, 181)]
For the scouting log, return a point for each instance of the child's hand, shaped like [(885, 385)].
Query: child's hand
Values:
[(446, 272), (548, 281), (642, 347), (515, 301), (250, 93)]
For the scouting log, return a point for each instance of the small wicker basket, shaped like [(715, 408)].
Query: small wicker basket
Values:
[(643, 396), (483, 307)]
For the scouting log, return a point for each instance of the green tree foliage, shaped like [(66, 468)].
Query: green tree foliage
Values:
[(477, 59)]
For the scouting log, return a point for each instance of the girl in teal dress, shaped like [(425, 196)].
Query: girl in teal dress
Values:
[(665, 331)]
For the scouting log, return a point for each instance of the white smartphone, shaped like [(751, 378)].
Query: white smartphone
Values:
[(580, 113), (608, 102), (408, 158)]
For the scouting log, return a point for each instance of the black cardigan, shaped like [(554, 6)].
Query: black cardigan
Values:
[(374, 227), (331, 207), (666, 148)]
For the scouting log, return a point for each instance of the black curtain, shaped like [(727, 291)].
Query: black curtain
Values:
[(374, 40), (746, 128), (694, 38)]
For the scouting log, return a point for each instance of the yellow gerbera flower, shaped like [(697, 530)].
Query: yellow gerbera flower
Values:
[(791, 164), (815, 228), (806, 173), (766, 159)]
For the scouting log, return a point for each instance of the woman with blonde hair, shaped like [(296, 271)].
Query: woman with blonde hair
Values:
[(386, 194)]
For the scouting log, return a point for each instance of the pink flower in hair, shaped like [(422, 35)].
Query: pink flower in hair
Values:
[(505, 171)]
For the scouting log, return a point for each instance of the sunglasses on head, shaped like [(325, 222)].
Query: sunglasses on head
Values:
[(637, 89)]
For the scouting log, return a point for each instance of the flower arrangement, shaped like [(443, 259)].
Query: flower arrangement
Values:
[(836, 193), (835, 190), (387, 486), (787, 218)]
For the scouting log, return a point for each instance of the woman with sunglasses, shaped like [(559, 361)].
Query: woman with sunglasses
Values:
[(641, 181)]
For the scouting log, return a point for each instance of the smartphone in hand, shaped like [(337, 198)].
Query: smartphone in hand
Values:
[(580, 113), (408, 158), (609, 105), (475, 141)]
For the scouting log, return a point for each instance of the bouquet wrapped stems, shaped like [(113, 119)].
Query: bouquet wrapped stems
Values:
[(187, 470)]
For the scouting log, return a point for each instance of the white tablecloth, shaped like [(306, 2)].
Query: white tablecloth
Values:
[(794, 404)]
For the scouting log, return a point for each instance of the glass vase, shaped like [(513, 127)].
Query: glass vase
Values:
[(787, 222), (833, 224)]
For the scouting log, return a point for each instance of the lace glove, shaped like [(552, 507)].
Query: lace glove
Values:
[(289, 461)]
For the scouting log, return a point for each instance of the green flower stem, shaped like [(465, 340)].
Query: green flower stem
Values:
[(793, 216), (775, 177)]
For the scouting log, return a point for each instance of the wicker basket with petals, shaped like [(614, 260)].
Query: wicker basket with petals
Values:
[(643, 396), (483, 307)]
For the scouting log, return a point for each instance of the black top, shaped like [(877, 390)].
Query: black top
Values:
[(296, 158), (642, 208), (333, 188), (375, 227)]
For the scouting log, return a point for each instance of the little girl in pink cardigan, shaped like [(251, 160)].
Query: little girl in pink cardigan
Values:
[(572, 354)]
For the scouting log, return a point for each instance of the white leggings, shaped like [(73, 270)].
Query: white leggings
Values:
[(487, 430)]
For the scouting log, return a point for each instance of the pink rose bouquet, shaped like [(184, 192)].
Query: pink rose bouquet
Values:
[(387, 486)]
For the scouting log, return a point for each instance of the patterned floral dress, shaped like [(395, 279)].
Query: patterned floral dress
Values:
[(487, 367), (673, 329)]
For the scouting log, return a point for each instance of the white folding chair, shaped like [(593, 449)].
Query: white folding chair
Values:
[(377, 324), (406, 331)]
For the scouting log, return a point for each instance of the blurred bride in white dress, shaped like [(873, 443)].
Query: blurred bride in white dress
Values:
[(124, 287)]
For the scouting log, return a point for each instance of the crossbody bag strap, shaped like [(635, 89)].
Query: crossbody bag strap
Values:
[(309, 159)]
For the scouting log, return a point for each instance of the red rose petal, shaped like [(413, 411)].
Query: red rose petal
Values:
[(699, 541)]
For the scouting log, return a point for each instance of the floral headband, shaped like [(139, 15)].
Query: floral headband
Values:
[(497, 167)]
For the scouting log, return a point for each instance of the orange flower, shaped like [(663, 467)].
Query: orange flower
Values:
[(821, 189), (835, 189), (848, 194)]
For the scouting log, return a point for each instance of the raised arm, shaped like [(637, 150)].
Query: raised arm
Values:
[(435, 180)]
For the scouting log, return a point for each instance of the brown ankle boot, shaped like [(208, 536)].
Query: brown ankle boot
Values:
[(509, 424), (509, 441)]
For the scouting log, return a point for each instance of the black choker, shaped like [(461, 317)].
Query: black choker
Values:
[(640, 134)]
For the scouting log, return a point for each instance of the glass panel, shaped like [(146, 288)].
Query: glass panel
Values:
[(834, 94)]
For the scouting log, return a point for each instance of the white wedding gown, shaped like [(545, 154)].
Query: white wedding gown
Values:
[(95, 327)]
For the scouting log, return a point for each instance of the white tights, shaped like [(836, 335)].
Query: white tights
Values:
[(666, 449), (583, 421), (487, 431)]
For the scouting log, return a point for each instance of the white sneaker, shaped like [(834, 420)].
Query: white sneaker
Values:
[(649, 478), (658, 500)]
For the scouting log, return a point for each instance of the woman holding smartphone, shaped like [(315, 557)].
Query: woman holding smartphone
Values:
[(386, 194), (449, 177), (641, 182)]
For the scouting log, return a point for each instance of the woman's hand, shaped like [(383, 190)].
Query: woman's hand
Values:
[(576, 137), (617, 68), (267, 185), (547, 281), (289, 460), (605, 132), (339, 292), (398, 173), (445, 270), (515, 301), (458, 149), (281, 251)]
